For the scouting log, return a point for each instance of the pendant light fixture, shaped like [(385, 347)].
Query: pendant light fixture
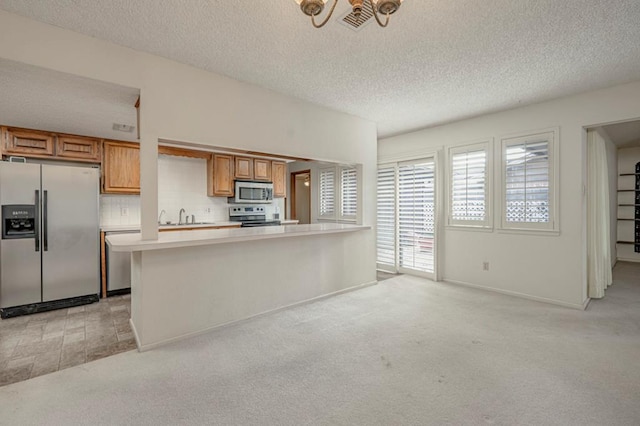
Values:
[(386, 8)]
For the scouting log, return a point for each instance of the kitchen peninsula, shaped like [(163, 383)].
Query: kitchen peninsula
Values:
[(186, 283)]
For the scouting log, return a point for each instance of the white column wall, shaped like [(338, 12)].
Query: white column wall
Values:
[(185, 291)]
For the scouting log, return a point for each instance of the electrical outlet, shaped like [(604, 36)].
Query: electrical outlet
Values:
[(124, 211), (485, 266)]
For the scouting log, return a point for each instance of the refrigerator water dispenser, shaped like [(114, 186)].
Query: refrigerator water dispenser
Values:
[(18, 221)]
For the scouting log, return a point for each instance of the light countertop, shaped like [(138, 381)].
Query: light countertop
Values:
[(116, 228), (177, 239)]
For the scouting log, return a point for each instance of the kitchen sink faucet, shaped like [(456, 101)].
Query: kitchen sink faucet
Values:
[(180, 219), (160, 217)]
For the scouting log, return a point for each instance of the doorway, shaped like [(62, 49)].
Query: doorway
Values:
[(301, 196), (613, 201), (406, 226)]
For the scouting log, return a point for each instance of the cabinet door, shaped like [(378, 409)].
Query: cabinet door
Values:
[(279, 171), (121, 168), (243, 168), (78, 149), (220, 175), (261, 169), (28, 143)]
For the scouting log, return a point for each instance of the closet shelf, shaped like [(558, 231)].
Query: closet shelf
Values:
[(625, 242), (629, 174), (628, 190), (628, 205), (623, 218)]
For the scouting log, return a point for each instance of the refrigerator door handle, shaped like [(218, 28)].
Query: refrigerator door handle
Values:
[(37, 219), (45, 227)]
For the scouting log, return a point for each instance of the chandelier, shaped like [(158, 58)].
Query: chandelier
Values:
[(380, 7)]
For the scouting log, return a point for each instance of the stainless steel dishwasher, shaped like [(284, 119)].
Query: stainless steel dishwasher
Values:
[(118, 268)]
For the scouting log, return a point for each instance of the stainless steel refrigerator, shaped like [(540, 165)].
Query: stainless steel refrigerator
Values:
[(49, 251)]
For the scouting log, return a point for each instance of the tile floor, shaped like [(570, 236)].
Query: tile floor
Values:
[(33, 345)]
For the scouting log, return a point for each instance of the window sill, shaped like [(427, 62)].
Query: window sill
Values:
[(524, 231), (469, 228)]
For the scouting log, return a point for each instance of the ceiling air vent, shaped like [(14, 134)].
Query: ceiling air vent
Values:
[(349, 20), (123, 127)]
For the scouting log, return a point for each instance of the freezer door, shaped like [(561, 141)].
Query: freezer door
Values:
[(70, 232), (19, 261)]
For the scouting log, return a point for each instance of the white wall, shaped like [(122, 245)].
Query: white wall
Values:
[(111, 209), (551, 268), (182, 103), (627, 160)]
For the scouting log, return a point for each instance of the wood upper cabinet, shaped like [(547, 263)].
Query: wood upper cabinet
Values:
[(243, 168), (78, 148), (120, 168), (28, 143), (261, 169), (279, 170), (220, 175)]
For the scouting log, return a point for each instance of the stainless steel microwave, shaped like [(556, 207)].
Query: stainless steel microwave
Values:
[(250, 192)]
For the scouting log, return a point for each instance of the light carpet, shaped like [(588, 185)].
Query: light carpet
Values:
[(404, 352)]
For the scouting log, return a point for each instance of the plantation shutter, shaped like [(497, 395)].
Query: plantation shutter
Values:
[(327, 193), (468, 186), (386, 225), (416, 210), (527, 181), (349, 193)]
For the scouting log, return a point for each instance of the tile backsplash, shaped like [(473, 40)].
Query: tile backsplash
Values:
[(182, 183)]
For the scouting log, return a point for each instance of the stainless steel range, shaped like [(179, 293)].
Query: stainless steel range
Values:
[(251, 216)]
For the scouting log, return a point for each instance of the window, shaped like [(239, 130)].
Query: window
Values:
[(349, 193), (386, 227), (338, 193), (327, 192), (469, 180), (529, 187)]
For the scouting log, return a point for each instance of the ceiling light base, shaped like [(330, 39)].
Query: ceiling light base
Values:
[(388, 7), (312, 7)]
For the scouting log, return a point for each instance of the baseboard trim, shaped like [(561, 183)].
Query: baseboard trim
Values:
[(135, 334), (624, 259), (143, 348), (581, 306)]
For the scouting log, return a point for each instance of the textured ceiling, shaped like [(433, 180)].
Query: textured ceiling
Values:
[(37, 98), (624, 134), (438, 61)]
